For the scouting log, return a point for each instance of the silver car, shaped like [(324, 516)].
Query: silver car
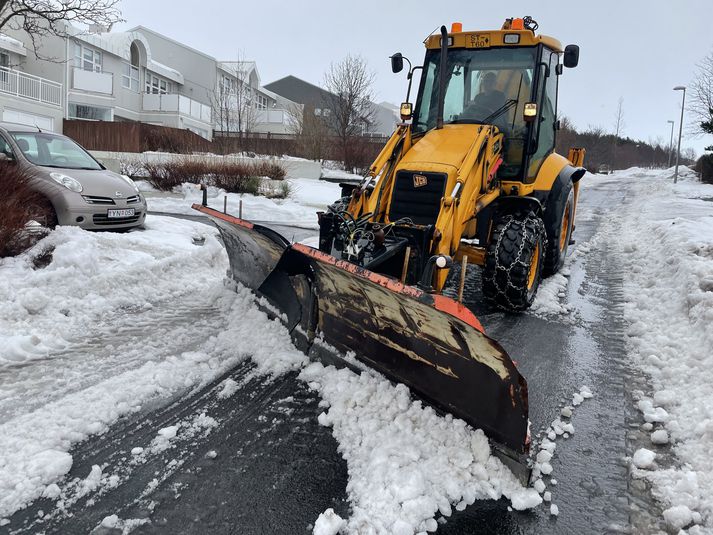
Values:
[(80, 190)]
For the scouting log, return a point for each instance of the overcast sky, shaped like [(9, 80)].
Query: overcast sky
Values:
[(634, 49)]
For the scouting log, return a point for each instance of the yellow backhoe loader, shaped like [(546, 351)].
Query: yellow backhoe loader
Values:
[(469, 176)]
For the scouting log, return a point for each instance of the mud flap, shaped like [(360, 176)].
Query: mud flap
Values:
[(428, 342)]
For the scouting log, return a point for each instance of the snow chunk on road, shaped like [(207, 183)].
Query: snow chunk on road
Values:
[(678, 517), (110, 521), (406, 464), (554, 510), (659, 437), (525, 499), (644, 458), (230, 387), (328, 523)]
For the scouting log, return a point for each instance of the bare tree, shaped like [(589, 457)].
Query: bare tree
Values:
[(350, 109), (701, 98), (618, 127), (51, 17), (234, 100), (310, 131)]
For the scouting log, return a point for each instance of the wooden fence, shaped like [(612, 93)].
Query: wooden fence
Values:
[(141, 137)]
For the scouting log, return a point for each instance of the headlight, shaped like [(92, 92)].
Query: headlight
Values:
[(67, 181), (130, 182)]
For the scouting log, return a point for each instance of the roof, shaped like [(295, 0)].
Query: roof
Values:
[(493, 38), (165, 71), (300, 91), (12, 45), (240, 69), (145, 29)]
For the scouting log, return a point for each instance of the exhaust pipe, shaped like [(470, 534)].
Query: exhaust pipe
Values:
[(442, 76)]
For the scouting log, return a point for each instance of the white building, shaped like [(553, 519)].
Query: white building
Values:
[(136, 75)]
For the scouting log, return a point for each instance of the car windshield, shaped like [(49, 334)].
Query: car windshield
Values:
[(51, 150), (482, 86)]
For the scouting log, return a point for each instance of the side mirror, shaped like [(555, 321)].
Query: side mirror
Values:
[(406, 111), (397, 62), (571, 56)]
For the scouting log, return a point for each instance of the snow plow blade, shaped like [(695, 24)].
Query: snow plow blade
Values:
[(428, 342)]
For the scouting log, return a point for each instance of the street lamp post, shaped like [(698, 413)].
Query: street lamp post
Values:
[(680, 130), (670, 144)]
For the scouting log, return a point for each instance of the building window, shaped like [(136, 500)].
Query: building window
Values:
[(318, 112), (91, 113), (87, 58), (261, 102), (228, 84), (130, 77), (157, 85)]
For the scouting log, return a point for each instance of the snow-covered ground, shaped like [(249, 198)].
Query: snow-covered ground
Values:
[(407, 465), (665, 236), (71, 368)]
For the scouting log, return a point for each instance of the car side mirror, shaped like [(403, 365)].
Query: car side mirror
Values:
[(397, 62), (571, 56)]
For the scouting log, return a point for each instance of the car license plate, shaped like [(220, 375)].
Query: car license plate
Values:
[(126, 212)]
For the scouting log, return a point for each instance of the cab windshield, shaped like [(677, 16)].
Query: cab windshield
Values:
[(50, 150), (483, 86)]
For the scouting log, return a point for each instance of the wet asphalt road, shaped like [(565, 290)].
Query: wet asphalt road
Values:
[(275, 469)]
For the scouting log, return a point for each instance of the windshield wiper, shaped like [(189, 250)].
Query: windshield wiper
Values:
[(502, 109), (497, 113)]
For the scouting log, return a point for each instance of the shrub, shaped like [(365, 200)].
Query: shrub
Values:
[(705, 168), (231, 175), (19, 203), (280, 190), (131, 167)]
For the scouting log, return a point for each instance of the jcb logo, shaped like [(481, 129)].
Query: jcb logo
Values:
[(419, 181)]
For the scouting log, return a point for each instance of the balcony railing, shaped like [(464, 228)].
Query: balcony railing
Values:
[(96, 82), (272, 116), (30, 86), (177, 104)]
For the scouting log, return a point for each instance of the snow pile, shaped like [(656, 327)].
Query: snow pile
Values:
[(329, 523), (93, 274), (406, 464), (666, 241)]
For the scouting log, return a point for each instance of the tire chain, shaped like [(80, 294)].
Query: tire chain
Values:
[(508, 220)]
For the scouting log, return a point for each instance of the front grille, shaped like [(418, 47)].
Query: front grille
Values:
[(103, 219), (95, 199), (133, 199), (417, 196)]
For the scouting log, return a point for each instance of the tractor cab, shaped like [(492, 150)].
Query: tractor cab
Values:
[(506, 78)]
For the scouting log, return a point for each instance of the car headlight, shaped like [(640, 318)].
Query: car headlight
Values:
[(130, 182), (67, 181)]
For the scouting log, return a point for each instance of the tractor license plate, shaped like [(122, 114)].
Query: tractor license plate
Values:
[(126, 212)]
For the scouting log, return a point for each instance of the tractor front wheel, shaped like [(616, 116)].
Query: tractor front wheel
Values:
[(558, 225), (514, 260)]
